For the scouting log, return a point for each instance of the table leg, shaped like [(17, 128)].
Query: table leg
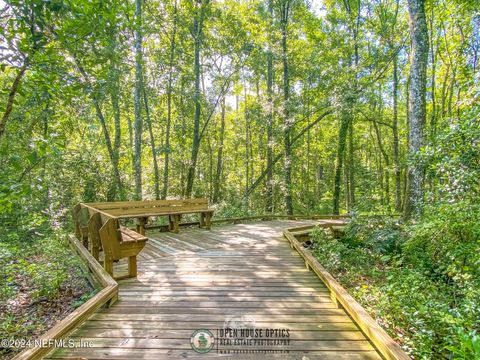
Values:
[(176, 223), (208, 221)]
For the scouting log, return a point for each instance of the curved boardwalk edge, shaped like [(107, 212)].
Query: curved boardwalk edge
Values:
[(108, 294), (379, 337)]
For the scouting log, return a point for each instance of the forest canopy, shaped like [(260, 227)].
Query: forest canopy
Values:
[(258, 105)]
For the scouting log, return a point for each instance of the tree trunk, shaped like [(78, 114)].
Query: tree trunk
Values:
[(383, 152), (342, 137), (101, 119), (198, 34), (114, 96), (417, 109), (433, 116), (351, 168), (247, 142), (218, 173), (270, 140), (286, 122), (169, 105), (156, 172), (396, 162), (137, 165)]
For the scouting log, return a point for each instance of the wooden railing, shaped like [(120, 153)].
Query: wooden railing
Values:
[(265, 217), (383, 342)]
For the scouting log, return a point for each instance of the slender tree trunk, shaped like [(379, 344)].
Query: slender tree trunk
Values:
[(342, 137), (346, 183), (114, 96), (383, 153), (452, 86), (198, 34), (169, 105), (210, 167), (351, 167), (433, 116), (138, 125), (287, 121), (218, 173), (270, 140), (247, 142), (101, 119), (417, 108), (11, 96), (156, 172), (444, 92), (346, 122), (396, 162)]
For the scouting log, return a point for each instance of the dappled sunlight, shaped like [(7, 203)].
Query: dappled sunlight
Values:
[(240, 275)]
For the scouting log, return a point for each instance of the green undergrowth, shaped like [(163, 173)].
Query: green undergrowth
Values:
[(41, 279), (420, 280)]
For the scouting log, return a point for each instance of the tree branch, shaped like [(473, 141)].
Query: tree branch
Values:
[(279, 156)]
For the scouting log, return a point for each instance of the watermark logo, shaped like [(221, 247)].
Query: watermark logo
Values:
[(202, 341), (238, 321)]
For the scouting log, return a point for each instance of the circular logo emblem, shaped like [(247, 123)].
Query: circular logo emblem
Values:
[(202, 341)]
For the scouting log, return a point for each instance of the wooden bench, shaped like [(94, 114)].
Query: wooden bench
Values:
[(97, 226), (117, 243), (174, 209), (101, 231)]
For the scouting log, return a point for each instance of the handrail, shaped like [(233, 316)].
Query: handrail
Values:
[(97, 210), (278, 216), (379, 337), (107, 295), (256, 217)]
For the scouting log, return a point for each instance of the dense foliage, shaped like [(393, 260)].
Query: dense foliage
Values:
[(421, 279)]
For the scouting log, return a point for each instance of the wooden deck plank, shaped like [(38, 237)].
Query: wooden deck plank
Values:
[(207, 279), (222, 303), (185, 334), (184, 344), (156, 354), (293, 326), (225, 311)]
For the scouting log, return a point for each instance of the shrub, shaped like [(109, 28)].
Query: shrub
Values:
[(420, 280)]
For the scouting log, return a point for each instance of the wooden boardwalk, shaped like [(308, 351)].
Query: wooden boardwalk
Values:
[(243, 274)]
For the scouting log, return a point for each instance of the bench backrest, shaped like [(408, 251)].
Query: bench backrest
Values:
[(80, 219), (150, 206), (94, 225), (103, 229), (110, 238)]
